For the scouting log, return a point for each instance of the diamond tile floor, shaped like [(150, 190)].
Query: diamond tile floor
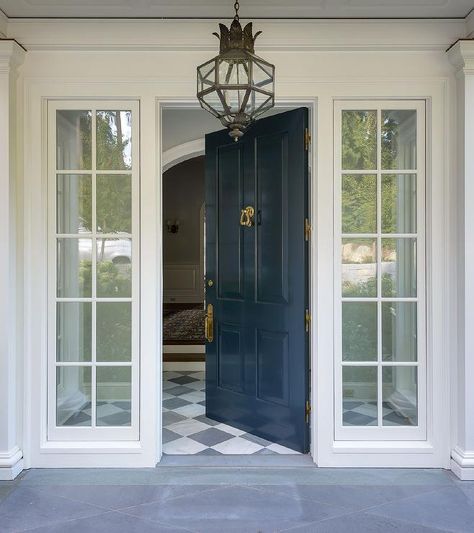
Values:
[(187, 431), (364, 413), (301, 499)]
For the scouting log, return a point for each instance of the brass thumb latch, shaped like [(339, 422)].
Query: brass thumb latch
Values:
[(209, 323), (246, 216)]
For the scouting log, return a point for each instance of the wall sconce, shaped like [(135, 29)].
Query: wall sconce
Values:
[(172, 226)]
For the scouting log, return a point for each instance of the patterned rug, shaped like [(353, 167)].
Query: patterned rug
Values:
[(183, 326)]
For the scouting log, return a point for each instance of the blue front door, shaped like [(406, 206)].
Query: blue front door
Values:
[(257, 367)]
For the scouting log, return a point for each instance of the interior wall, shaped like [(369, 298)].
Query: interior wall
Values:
[(183, 198)]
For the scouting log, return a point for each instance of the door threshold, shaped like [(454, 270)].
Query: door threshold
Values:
[(238, 460)]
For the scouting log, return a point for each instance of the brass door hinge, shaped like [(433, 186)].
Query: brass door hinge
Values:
[(307, 411), (307, 320), (307, 230), (307, 139)]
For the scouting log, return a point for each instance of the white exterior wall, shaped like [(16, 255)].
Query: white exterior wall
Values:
[(462, 57), (316, 62)]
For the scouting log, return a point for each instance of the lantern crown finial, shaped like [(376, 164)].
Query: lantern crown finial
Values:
[(236, 38)]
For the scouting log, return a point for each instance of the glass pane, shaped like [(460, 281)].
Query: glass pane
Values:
[(399, 268), (399, 139), (73, 140), (359, 140), (74, 268), (74, 203), (400, 406), (359, 203), (399, 329), (114, 394), (359, 268), (359, 395), (114, 140), (114, 268), (114, 204), (73, 396), (114, 331), (399, 203), (359, 331), (74, 331)]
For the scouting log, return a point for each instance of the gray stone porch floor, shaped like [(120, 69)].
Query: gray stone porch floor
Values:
[(237, 496)]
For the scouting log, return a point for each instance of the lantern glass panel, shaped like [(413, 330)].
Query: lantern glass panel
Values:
[(233, 71), (206, 75), (262, 75), (235, 99), (213, 103)]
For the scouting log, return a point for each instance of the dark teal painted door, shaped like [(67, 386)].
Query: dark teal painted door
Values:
[(257, 362)]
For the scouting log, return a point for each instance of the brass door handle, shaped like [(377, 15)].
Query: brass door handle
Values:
[(246, 216), (209, 323)]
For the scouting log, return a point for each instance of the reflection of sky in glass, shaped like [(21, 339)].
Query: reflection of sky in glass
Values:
[(126, 125), (126, 119)]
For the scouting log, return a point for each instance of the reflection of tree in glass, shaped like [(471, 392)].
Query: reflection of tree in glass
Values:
[(359, 331), (359, 203), (359, 140), (113, 197), (367, 289), (112, 144)]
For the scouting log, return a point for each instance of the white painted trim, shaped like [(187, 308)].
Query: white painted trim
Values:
[(461, 55), (470, 24), (11, 464), (3, 25), (11, 56), (278, 35), (182, 152), (462, 464)]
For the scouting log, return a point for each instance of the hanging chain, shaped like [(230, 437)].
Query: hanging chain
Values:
[(236, 7)]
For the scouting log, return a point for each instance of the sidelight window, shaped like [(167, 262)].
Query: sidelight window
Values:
[(93, 271), (380, 377)]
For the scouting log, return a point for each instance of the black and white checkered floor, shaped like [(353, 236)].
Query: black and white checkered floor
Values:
[(112, 413), (187, 431), (364, 413)]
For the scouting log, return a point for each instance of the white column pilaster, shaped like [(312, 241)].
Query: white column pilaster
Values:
[(11, 463), (462, 453)]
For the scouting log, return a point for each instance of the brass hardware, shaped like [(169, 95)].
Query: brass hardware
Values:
[(307, 139), (210, 283), (246, 216), (307, 230), (307, 411), (209, 323), (307, 320)]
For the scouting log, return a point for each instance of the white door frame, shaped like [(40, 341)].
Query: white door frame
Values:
[(163, 164)]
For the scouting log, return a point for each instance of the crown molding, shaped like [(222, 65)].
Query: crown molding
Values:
[(3, 24), (12, 55), (461, 55), (196, 35), (470, 24)]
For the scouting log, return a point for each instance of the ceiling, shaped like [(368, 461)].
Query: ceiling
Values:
[(248, 9)]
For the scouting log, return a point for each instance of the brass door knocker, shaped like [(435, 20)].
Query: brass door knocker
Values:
[(246, 216)]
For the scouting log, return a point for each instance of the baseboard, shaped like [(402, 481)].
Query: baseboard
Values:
[(462, 464), (172, 366), (11, 464)]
